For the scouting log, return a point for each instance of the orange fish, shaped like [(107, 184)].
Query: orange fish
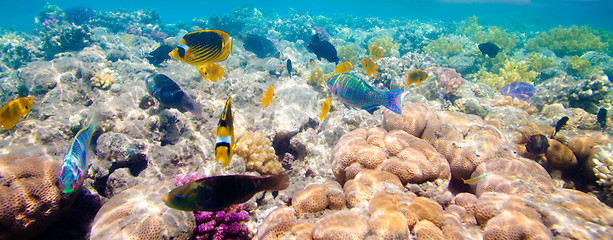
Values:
[(211, 72), (267, 98), (312, 63), (343, 67), (417, 77), (369, 66), (376, 53), (325, 108), (12, 111)]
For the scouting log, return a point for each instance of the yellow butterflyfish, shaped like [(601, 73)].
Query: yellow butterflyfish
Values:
[(369, 66), (203, 46), (12, 111), (267, 98)]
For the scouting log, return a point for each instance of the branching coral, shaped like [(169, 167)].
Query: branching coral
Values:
[(104, 79), (538, 62), (444, 46), (567, 41), (449, 79), (258, 153), (348, 53), (578, 66), (493, 34), (385, 42), (316, 77), (512, 71)]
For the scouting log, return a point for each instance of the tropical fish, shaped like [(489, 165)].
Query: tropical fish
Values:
[(267, 98), (520, 90), (261, 46), (369, 66), (321, 34), (203, 46), (218, 192), (270, 64), (323, 49), (560, 124), (343, 67), (224, 145), (602, 118), (146, 102), (289, 67), (159, 55), (475, 179), (74, 166), (489, 49), (312, 62), (211, 72), (169, 94), (416, 76), (12, 111), (354, 92), (325, 108), (536, 144), (376, 53)]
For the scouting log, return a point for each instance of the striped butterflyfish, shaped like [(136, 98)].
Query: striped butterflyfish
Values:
[(203, 46), (224, 145)]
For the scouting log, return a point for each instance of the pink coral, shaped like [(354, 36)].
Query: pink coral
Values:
[(449, 79)]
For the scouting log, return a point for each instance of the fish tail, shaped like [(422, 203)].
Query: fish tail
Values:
[(392, 100), (275, 183)]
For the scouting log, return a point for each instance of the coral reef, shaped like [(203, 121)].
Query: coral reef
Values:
[(539, 62), (138, 213), (600, 163), (444, 46), (515, 102), (385, 42), (589, 93), (567, 41), (578, 66), (449, 79), (258, 153), (30, 199), (104, 79), (513, 70), (348, 53), (64, 38)]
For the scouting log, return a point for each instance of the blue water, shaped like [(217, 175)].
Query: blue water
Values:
[(535, 14)]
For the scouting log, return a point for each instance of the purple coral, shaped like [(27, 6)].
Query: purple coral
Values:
[(520, 90), (225, 224), (449, 79)]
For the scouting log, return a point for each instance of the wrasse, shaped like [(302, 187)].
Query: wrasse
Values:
[(74, 166), (354, 92), (218, 192), (475, 179), (224, 145)]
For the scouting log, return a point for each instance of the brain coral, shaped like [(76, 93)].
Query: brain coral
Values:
[(140, 213), (408, 157), (258, 153), (340, 226), (30, 199), (513, 175), (317, 197)]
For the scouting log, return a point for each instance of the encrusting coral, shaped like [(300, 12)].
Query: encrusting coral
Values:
[(258, 153)]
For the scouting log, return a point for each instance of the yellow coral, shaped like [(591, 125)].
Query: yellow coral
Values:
[(493, 34), (104, 79), (538, 62), (258, 153), (348, 53), (385, 42), (578, 66), (444, 46), (512, 71), (316, 77)]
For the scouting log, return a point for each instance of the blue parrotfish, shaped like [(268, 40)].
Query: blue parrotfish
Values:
[(520, 90), (218, 192), (354, 92), (323, 49), (74, 166), (170, 95)]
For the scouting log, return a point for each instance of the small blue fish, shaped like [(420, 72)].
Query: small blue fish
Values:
[(289, 67), (169, 94), (354, 92), (74, 166)]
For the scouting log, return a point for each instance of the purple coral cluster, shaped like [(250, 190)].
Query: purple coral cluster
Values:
[(225, 224), (449, 79)]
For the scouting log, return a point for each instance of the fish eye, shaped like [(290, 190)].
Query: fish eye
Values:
[(26, 107), (178, 197)]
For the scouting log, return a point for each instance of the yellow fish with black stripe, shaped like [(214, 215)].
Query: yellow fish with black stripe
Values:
[(12, 111), (224, 145), (203, 46)]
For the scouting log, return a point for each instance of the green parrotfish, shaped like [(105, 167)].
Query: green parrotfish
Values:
[(354, 92)]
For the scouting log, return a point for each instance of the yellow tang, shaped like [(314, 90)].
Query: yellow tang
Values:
[(369, 66), (376, 53), (203, 46), (224, 145), (12, 111), (343, 67), (211, 72), (325, 108), (417, 77), (267, 98)]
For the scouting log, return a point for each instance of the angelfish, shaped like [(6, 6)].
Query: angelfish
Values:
[(218, 192), (74, 166), (224, 145)]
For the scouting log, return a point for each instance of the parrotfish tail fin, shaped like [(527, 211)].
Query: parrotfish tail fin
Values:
[(392, 100), (275, 183), (191, 105)]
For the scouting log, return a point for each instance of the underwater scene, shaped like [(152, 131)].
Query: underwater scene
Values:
[(312, 121)]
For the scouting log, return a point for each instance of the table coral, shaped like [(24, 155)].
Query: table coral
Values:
[(139, 213), (258, 153), (30, 199)]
